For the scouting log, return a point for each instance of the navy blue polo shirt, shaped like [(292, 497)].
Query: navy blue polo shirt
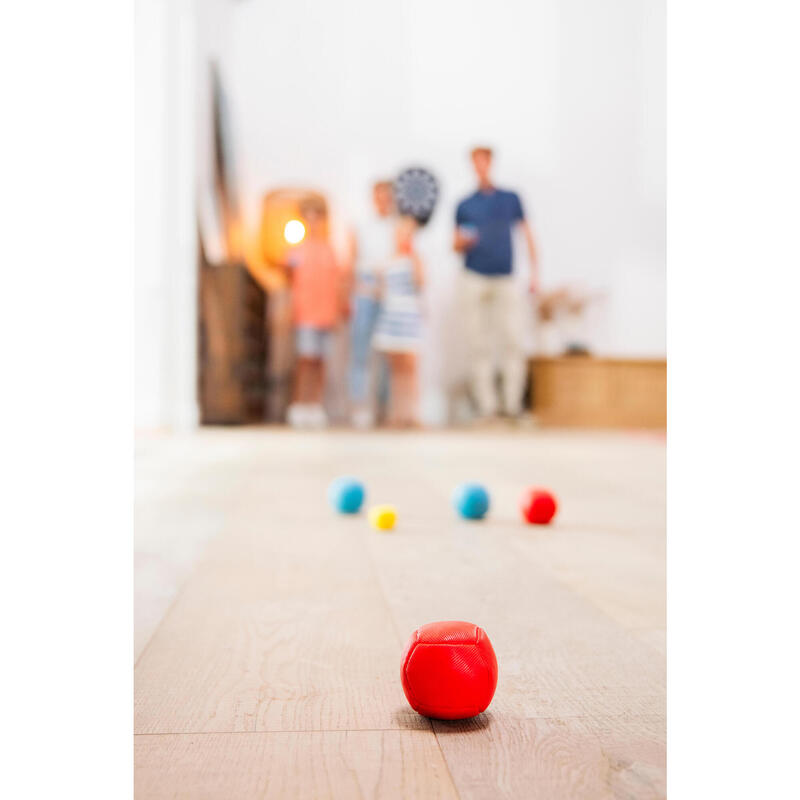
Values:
[(492, 214)]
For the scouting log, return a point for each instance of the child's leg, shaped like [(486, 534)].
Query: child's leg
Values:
[(323, 346), (413, 388), (303, 342), (395, 388), (408, 371), (302, 378), (402, 403), (316, 381)]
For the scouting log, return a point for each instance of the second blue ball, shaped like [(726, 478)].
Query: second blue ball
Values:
[(346, 495), (471, 500)]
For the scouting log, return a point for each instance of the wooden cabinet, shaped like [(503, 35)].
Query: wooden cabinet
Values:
[(232, 346), (583, 391)]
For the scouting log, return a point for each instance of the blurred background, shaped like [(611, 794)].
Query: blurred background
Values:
[(246, 109)]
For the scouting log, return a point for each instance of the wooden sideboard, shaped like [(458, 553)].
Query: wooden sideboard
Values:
[(582, 391)]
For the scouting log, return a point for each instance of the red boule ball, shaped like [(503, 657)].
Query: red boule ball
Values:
[(538, 506), (449, 670)]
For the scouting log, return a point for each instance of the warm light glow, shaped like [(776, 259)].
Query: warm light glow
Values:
[(294, 231)]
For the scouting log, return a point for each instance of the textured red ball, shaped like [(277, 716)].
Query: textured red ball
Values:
[(538, 506), (449, 670)]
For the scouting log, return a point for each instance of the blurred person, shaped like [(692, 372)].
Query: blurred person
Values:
[(317, 307), (484, 224), (373, 246), (399, 328)]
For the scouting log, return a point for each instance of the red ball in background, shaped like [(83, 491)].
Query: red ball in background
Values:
[(449, 670), (538, 506)]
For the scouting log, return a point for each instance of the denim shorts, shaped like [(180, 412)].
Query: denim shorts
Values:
[(312, 342)]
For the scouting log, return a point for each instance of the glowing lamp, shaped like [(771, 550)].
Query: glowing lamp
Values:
[(294, 231)]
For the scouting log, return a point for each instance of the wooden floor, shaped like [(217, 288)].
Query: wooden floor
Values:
[(269, 630)]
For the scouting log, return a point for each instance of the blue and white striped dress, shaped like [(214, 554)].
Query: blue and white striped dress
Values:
[(399, 327)]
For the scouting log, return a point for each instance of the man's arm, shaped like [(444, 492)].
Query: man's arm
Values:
[(533, 255), (462, 243)]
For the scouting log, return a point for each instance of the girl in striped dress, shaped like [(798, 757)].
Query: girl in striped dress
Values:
[(399, 328)]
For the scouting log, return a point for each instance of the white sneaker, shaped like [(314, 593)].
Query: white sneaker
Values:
[(297, 415), (363, 419), (316, 416)]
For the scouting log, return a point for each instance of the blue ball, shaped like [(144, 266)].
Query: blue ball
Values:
[(471, 500), (346, 495)]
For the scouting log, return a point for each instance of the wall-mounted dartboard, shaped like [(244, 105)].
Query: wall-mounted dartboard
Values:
[(415, 192)]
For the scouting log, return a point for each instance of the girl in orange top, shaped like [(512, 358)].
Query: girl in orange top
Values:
[(317, 292)]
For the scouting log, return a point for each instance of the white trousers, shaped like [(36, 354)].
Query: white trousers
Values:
[(494, 327)]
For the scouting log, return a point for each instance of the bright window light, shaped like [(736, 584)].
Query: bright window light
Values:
[(294, 231)]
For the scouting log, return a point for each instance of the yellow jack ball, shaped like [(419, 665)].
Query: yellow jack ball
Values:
[(382, 518)]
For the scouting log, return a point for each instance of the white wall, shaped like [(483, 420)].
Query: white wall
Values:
[(150, 160), (172, 39), (570, 92)]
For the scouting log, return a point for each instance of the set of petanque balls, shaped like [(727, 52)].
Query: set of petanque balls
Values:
[(448, 669)]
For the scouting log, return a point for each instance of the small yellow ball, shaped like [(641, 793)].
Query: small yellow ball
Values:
[(382, 518)]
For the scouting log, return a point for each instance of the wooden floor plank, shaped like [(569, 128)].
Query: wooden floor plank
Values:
[(590, 758), (562, 655), (284, 642), (312, 765), (281, 627), (567, 659), (185, 488)]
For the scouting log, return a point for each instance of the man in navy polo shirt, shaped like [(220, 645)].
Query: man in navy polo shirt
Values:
[(494, 310)]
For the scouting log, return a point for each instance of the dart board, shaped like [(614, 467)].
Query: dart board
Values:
[(415, 193)]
